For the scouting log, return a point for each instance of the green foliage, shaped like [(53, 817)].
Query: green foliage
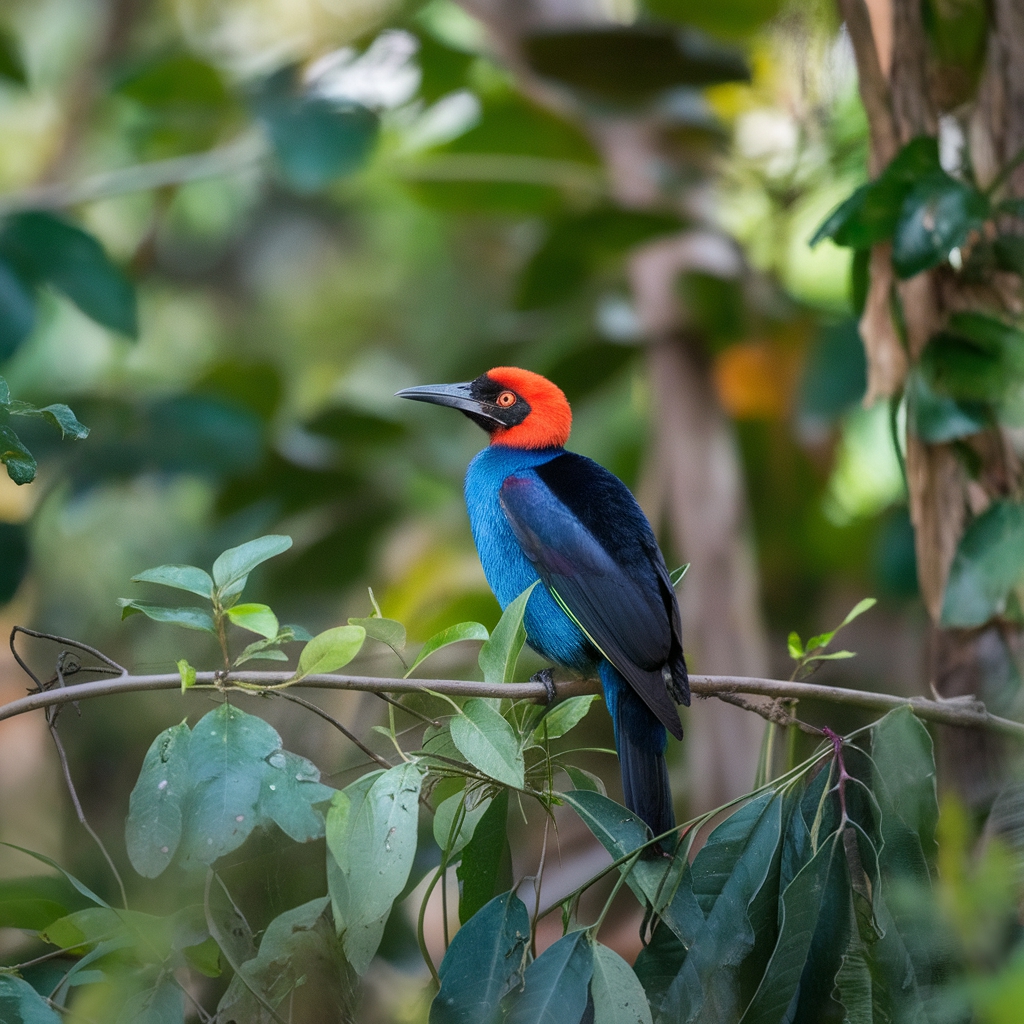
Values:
[(20, 1003), (315, 140), (201, 793), (21, 466), (12, 69), (501, 650), (729, 19)]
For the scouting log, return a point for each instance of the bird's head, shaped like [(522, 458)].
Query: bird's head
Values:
[(516, 407)]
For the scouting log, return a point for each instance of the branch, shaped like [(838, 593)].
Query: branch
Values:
[(229, 159), (965, 712)]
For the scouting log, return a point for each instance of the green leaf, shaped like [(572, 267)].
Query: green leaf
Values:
[(616, 991), (257, 618), (20, 1003), (315, 140), (232, 567), (865, 604), (488, 743), (444, 822), (330, 650), (486, 866), (387, 631), (834, 656), (796, 648), (162, 1003), (12, 67), (666, 885), (500, 653), (727, 878), (937, 216), (59, 416), (676, 575), (821, 640), (555, 985), (190, 618), (187, 673), (21, 466), (290, 787), (181, 577), (154, 824), (371, 842), (905, 787), (451, 635), (266, 648), (45, 248), (633, 63), (227, 758), (870, 214), (937, 418), (34, 902), (658, 963), (582, 779), (483, 963), (81, 887), (987, 566), (563, 717), (298, 949), (802, 904)]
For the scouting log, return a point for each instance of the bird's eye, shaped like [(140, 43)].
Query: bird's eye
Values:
[(506, 399)]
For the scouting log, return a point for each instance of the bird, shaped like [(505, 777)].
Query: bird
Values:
[(607, 603)]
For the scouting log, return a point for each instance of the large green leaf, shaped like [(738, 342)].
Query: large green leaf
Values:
[(154, 823), (21, 466), (43, 247), (803, 902), (706, 987), (487, 742), (387, 631), (988, 565), (658, 963), (937, 418), (257, 618), (289, 789), (666, 885), (299, 959), (483, 963), (371, 841), (936, 216), (500, 652), (450, 635), (633, 63), (190, 618), (555, 985), (486, 866), (181, 577), (315, 140), (616, 992), (161, 1003), (32, 903), (20, 1003), (232, 567)]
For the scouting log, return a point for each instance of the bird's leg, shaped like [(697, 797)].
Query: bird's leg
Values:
[(547, 677)]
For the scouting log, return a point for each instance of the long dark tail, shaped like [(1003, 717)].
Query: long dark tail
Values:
[(640, 740)]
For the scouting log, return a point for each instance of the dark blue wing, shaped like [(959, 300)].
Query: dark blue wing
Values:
[(593, 547)]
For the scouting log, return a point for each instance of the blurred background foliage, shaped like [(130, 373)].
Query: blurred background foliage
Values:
[(284, 212)]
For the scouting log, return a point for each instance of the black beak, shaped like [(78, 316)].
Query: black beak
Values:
[(456, 396)]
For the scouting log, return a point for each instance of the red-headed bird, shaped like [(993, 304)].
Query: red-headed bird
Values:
[(538, 511)]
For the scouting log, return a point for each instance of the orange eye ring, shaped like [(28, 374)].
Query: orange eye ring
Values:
[(506, 399)]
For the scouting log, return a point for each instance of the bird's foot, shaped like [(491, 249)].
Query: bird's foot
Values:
[(547, 677)]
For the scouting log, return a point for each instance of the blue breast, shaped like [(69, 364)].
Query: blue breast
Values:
[(549, 630)]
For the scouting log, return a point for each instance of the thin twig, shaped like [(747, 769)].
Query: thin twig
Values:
[(426, 719), (966, 712), (337, 725)]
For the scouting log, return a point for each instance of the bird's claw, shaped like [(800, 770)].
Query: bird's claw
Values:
[(547, 677)]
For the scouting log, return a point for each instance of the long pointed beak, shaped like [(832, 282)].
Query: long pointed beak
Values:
[(456, 396)]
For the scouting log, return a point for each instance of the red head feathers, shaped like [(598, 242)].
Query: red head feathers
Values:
[(549, 420)]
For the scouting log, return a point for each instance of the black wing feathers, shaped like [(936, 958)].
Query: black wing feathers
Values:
[(592, 545)]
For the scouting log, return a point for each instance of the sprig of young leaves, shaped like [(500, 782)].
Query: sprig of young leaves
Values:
[(808, 657)]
